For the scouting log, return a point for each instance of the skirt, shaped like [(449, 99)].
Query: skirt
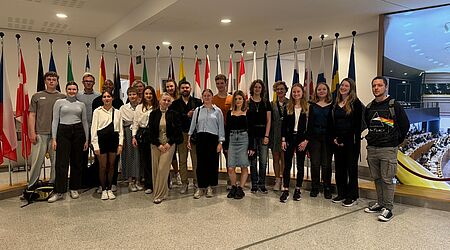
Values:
[(237, 149), (130, 156)]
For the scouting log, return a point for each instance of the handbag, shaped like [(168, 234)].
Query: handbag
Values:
[(143, 135), (194, 134)]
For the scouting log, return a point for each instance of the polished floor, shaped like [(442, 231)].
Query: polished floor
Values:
[(258, 221)]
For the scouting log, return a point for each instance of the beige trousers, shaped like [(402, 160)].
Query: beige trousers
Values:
[(160, 171)]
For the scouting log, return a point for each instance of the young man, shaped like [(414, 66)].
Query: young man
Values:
[(87, 97), (388, 125), (40, 126), (185, 106)]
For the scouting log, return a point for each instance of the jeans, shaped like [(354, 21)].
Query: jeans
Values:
[(259, 177)]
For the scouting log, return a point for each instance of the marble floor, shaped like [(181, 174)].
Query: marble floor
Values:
[(258, 221)]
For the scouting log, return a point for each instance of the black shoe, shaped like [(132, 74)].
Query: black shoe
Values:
[(349, 202), (375, 208), (232, 192), (239, 193), (327, 193), (284, 196), (314, 192), (263, 190), (337, 199), (386, 215), (297, 196), (254, 190)]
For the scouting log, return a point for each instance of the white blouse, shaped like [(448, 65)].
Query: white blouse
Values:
[(102, 118), (140, 118)]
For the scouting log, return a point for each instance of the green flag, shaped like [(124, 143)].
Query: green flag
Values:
[(144, 74), (69, 69)]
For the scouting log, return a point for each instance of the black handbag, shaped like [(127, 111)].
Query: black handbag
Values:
[(143, 135), (194, 134)]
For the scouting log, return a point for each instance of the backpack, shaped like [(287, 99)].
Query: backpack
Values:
[(41, 191)]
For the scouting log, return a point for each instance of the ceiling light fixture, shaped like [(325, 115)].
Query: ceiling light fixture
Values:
[(325, 35), (249, 52), (166, 43), (61, 15), (225, 20)]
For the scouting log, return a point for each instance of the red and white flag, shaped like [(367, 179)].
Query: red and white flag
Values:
[(309, 84), (230, 74), (131, 74), (22, 106), (242, 84), (197, 86), (207, 73)]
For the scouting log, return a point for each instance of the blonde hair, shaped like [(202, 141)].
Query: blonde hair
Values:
[(350, 98), (291, 103), (328, 98)]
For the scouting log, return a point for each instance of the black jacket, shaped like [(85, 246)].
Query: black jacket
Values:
[(174, 134), (287, 128), (182, 109)]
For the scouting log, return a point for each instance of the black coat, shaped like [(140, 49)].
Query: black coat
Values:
[(287, 128), (173, 127)]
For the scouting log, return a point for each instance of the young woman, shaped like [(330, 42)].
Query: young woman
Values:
[(107, 140), (210, 135), (278, 114), (237, 138), (139, 85), (319, 137), (130, 157), (293, 140), (346, 135), (69, 139), (260, 115), (165, 133), (140, 122), (172, 90)]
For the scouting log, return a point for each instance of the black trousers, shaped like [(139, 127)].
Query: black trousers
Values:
[(292, 146), (69, 150), (146, 164), (346, 166), (320, 153), (207, 160)]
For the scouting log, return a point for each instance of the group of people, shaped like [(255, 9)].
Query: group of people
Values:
[(148, 132)]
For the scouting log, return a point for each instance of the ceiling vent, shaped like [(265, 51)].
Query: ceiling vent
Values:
[(69, 3), (20, 23)]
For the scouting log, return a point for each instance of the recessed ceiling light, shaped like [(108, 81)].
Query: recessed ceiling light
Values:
[(411, 40), (421, 54), (225, 20), (325, 35), (413, 45), (417, 50), (431, 59), (166, 43), (61, 15), (405, 74), (249, 52), (408, 33), (435, 62), (441, 64)]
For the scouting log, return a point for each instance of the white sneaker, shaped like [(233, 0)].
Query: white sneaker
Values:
[(55, 197), (209, 192), (132, 187), (148, 191), (114, 188), (74, 194), (104, 195), (111, 195), (139, 187), (277, 186), (178, 178), (99, 190), (184, 188), (198, 193)]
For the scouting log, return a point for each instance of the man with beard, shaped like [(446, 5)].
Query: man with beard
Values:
[(185, 106)]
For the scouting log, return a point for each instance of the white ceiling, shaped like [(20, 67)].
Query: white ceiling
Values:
[(189, 22)]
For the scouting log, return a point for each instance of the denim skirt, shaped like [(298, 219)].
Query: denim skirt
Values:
[(237, 149)]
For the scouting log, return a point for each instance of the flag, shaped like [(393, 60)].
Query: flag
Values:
[(242, 84), (144, 72), (321, 75), (102, 73), (197, 86), (131, 73), (157, 83), (278, 76), (22, 107), (52, 66), (182, 74), (8, 135), (254, 71), (69, 68), (207, 73), (40, 75), (351, 67), (308, 85), (171, 75), (266, 75), (230, 74), (117, 83), (296, 76), (87, 67), (335, 74), (219, 65)]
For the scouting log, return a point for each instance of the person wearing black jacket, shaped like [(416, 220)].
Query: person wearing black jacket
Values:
[(319, 138), (293, 140), (165, 132), (388, 125), (346, 135), (185, 106)]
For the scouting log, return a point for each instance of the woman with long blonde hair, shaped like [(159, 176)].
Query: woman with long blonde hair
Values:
[(293, 139), (346, 135)]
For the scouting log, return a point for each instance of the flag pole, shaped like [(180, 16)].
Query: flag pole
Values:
[(87, 57), (239, 80), (131, 65), (230, 78), (219, 68), (157, 80), (144, 68), (9, 161)]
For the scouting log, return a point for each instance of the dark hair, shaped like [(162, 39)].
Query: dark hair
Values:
[(233, 102), (381, 78), (184, 82), (153, 103), (176, 88), (70, 83), (51, 74), (278, 83), (107, 91), (132, 89), (252, 87), (220, 77), (207, 90)]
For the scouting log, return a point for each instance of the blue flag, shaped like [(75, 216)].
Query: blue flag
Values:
[(351, 67), (278, 76), (52, 67), (117, 84)]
